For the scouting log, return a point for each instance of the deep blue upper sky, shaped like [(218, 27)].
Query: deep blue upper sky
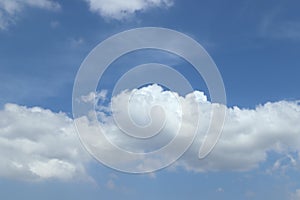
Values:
[(251, 42)]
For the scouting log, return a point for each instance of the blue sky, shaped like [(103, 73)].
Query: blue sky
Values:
[(255, 45)]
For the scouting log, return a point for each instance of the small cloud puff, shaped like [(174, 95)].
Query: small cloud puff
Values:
[(120, 9)]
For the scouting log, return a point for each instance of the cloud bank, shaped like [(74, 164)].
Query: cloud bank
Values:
[(39, 144), (120, 9), (10, 10)]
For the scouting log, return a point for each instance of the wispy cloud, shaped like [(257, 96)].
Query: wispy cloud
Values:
[(296, 195), (274, 26), (54, 24), (11, 10), (76, 42)]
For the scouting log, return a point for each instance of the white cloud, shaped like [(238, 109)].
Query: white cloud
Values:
[(248, 135), (38, 144), (11, 9), (120, 9)]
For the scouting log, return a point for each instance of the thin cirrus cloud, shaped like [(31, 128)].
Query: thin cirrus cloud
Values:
[(119, 9), (274, 26), (11, 10), (36, 143)]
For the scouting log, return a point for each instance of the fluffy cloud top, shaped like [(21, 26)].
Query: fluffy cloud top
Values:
[(248, 134), (120, 9), (11, 9), (38, 144)]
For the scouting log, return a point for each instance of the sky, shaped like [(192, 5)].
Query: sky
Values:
[(255, 45)]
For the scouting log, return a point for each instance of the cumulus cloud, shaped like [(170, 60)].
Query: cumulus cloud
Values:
[(248, 134), (120, 9), (38, 144), (11, 9)]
